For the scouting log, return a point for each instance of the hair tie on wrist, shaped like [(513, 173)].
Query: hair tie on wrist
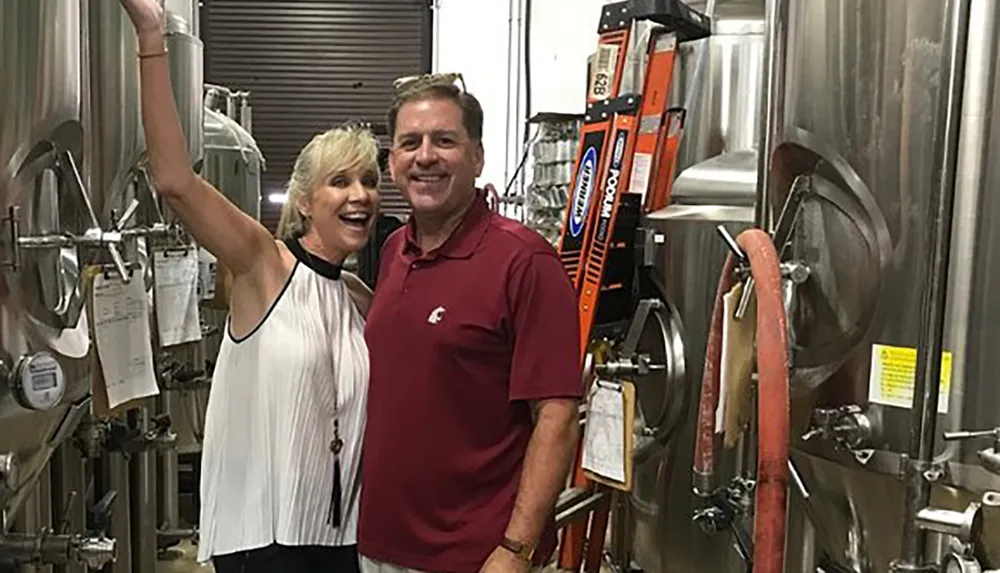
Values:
[(153, 55)]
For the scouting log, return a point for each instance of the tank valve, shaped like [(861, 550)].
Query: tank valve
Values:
[(990, 457), (8, 481), (129, 440), (176, 375), (797, 273), (846, 426), (638, 365), (725, 505), (8, 472), (93, 550)]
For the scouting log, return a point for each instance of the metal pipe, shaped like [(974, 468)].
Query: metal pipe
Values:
[(963, 525), (143, 503), (771, 114), (169, 485), (977, 108), (923, 420)]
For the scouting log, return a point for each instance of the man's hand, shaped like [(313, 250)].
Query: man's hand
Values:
[(504, 561)]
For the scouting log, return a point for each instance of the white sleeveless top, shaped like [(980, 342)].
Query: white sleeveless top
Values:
[(267, 460)]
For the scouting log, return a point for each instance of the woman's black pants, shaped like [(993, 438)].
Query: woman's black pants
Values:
[(286, 559)]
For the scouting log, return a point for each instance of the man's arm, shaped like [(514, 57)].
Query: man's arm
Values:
[(546, 466), (546, 374)]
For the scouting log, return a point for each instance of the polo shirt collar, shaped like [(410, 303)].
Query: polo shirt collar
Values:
[(463, 240)]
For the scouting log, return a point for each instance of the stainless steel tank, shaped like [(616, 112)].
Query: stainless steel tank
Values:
[(716, 184), (117, 139), (187, 70), (42, 165), (861, 107), (233, 163)]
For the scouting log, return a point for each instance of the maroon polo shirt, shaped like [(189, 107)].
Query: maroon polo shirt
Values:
[(460, 340)]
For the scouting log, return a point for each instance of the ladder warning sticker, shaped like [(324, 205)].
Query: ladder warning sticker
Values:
[(642, 166), (605, 65), (893, 371)]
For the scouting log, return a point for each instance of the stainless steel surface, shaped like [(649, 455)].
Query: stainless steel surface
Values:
[(36, 64), (116, 137), (717, 153), (865, 81), (186, 53), (115, 476), (965, 526), (143, 506), (41, 91), (975, 174), (717, 181), (233, 162), (666, 540), (772, 106), (930, 342), (69, 488)]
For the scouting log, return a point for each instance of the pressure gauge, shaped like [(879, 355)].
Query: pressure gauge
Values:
[(38, 382)]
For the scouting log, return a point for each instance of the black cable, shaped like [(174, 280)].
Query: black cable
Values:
[(527, 68)]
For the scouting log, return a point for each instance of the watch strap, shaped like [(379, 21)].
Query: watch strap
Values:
[(522, 550)]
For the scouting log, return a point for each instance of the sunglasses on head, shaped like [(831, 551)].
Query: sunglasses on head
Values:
[(405, 84)]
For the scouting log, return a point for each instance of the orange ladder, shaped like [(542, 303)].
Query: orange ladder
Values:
[(625, 138)]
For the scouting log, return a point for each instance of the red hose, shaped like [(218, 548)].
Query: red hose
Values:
[(704, 451), (772, 403)]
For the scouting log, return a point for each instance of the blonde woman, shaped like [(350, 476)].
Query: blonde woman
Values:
[(286, 415)]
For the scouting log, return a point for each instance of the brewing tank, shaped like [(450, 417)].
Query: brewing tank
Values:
[(232, 161), (716, 185), (43, 159), (117, 139), (187, 70), (861, 110)]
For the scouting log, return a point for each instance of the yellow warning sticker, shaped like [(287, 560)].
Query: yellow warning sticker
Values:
[(893, 373)]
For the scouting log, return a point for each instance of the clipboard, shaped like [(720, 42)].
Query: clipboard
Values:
[(99, 403), (600, 450), (98, 387)]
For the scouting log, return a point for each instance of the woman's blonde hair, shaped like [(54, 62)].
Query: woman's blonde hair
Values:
[(346, 148)]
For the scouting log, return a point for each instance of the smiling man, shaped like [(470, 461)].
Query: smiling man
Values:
[(475, 382)]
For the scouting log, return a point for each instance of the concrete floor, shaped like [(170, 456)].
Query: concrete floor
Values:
[(182, 559)]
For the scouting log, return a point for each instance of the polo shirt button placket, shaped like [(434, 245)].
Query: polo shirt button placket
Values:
[(415, 265)]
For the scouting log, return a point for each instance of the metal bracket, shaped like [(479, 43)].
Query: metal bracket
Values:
[(627, 362), (989, 458), (847, 426), (93, 237), (721, 511), (802, 188)]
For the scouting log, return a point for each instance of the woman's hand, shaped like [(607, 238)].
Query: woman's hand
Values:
[(146, 15)]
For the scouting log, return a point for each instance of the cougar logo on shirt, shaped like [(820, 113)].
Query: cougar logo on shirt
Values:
[(436, 315)]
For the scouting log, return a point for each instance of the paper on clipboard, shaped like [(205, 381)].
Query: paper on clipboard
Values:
[(175, 280), (604, 444), (121, 334)]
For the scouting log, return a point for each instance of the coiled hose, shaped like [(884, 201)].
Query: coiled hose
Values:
[(772, 403)]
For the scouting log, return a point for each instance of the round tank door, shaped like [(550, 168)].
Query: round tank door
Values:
[(51, 201), (841, 236), (41, 159)]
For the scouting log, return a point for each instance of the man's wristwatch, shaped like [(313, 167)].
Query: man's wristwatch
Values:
[(519, 548)]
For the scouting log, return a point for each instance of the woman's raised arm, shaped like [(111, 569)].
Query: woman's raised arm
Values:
[(236, 239)]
